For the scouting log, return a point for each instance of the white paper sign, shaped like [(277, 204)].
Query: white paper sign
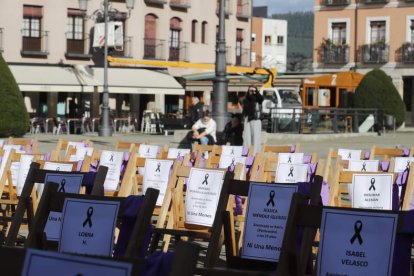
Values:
[(112, 160), (363, 165), (148, 151), (372, 191), (227, 161), (81, 153), (291, 173), (1, 142), (25, 161), (7, 150), (290, 158), (402, 163), (174, 153), (14, 169), (53, 166), (349, 154), (53, 225), (75, 145), (156, 175), (203, 192), (236, 151)]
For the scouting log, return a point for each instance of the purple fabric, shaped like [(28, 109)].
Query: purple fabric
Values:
[(239, 205), (249, 160), (367, 155), (131, 206), (406, 152), (158, 264), (245, 151), (180, 158), (325, 193), (307, 159), (312, 170), (292, 148), (47, 156), (385, 166), (402, 249), (79, 166), (124, 163), (29, 151), (88, 180), (93, 167)]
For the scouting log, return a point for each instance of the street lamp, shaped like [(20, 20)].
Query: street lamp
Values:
[(104, 129)]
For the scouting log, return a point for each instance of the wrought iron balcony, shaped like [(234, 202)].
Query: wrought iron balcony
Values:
[(375, 53), (157, 2), (126, 51), (181, 4), (407, 53), (1, 39), (375, 1), (335, 2), (78, 48), (335, 54), (243, 57), (154, 49), (37, 44), (180, 52), (244, 9)]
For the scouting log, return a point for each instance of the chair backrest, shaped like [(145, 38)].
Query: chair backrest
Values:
[(28, 144), (387, 153), (277, 149)]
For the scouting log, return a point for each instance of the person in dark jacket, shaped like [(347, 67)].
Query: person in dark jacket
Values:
[(196, 110), (252, 123), (233, 131)]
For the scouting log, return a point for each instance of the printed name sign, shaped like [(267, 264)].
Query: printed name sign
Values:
[(88, 226), (40, 262), (52, 166), (68, 183), (148, 151), (402, 163), (53, 226), (14, 170), (236, 151), (291, 158), (356, 243), (81, 153), (228, 161), (112, 160), (25, 161), (156, 175), (363, 165), (266, 216), (372, 191), (174, 153), (291, 173), (203, 192), (349, 154)]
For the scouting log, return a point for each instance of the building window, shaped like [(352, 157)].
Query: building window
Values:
[(175, 31), (253, 38), (32, 28), (280, 39), (268, 39), (339, 33), (150, 35), (194, 26), (204, 32), (239, 43), (75, 25), (377, 32), (253, 57)]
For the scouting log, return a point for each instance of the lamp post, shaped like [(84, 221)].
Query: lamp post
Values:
[(104, 129), (220, 113)]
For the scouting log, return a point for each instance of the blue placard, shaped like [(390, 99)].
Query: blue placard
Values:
[(264, 227), (39, 262), (356, 243), (53, 225), (68, 183), (88, 226)]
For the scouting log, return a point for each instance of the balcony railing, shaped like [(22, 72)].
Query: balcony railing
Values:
[(1, 39), (35, 46), (181, 4), (335, 2), (375, 1), (375, 53), (408, 53), (227, 7), (243, 57), (78, 48), (180, 53), (126, 51), (157, 2), (335, 54), (244, 9), (154, 49)]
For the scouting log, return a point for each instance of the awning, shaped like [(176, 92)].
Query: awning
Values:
[(139, 81)]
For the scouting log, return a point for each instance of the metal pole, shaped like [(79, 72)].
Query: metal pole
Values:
[(104, 129), (220, 114)]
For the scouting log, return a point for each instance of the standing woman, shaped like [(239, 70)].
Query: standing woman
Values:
[(252, 123)]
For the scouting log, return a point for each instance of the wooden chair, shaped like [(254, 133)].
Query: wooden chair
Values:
[(387, 153), (198, 152), (29, 145), (63, 145), (277, 149), (27, 205)]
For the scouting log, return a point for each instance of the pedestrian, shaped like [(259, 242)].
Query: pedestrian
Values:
[(204, 130), (233, 131), (252, 123), (196, 111)]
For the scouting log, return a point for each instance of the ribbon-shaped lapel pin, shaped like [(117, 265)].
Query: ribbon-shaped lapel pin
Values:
[(364, 169), (357, 234), (372, 187), (112, 158), (271, 199), (205, 179), (62, 186), (88, 219), (290, 159), (158, 167), (291, 172)]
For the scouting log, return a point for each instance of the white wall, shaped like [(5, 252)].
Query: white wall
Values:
[(274, 54)]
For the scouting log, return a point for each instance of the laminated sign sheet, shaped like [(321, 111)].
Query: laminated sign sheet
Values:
[(290, 158), (174, 153), (402, 163), (267, 211), (236, 151), (156, 175), (363, 165), (112, 160), (25, 161), (372, 191), (228, 161), (356, 243), (203, 192), (291, 173), (349, 154), (148, 151)]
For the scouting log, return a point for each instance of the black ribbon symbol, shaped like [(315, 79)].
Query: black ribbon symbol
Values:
[(291, 172), (58, 169), (408, 165), (349, 155), (179, 153), (112, 158), (232, 162), (148, 149), (290, 159), (62, 186), (232, 152), (205, 179), (357, 235), (158, 167), (372, 184), (88, 219), (271, 199), (364, 169)]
